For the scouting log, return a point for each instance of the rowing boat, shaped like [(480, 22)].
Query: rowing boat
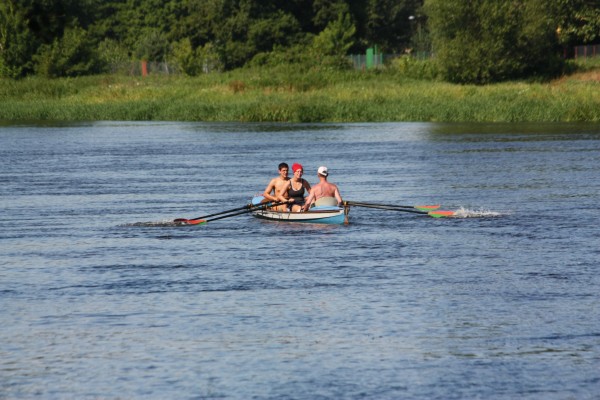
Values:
[(316, 215), (321, 214), (324, 214)]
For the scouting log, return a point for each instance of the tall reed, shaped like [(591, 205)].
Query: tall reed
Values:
[(292, 94)]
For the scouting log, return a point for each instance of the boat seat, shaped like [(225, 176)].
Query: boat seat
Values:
[(326, 201)]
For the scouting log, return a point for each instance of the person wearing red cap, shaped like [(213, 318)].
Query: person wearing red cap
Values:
[(323, 193), (293, 192), (276, 184)]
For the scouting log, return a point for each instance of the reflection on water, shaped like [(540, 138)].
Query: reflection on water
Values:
[(103, 296)]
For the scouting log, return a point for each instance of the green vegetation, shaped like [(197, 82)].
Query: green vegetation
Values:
[(292, 94), (483, 41), (493, 41), (34, 32)]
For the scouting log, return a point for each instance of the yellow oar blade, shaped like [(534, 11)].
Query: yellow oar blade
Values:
[(428, 208)]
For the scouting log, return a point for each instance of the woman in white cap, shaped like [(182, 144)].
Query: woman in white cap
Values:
[(323, 193)]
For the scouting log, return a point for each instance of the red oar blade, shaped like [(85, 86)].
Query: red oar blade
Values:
[(441, 214), (183, 221), (196, 221)]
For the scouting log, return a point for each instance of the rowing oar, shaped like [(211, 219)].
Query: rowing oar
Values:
[(197, 220), (422, 208), (230, 213), (434, 214)]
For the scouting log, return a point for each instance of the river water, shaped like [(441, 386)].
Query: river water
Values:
[(102, 297)]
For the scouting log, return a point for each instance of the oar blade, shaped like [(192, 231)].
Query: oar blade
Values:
[(428, 208), (441, 214), (183, 221), (196, 221)]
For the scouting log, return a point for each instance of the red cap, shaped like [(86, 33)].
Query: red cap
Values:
[(296, 167)]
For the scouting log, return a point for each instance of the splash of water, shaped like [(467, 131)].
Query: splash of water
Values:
[(481, 213), (164, 223)]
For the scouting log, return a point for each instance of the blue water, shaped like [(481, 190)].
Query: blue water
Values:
[(102, 297)]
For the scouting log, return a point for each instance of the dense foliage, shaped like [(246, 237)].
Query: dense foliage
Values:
[(500, 39), (45, 36), (486, 41)]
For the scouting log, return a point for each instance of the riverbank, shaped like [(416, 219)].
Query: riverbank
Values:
[(283, 95)]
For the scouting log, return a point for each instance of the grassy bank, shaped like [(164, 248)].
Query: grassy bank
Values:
[(298, 96)]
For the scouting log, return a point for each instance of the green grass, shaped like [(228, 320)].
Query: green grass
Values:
[(286, 94)]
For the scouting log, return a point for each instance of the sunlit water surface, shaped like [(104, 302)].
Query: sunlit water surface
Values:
[(102, 297)]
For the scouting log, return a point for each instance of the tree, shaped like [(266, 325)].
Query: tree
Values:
[(17, 42), (152, 46), (487, 41), (71, 55), (389, 24), (335, 40), (251, 27), (199, 21), (194, 61), (578, 21), (25, 25), (49, 18), (327, 11)]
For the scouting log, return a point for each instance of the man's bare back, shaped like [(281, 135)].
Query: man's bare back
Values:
[(324, 189)]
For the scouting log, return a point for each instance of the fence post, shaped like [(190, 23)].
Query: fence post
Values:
[(369, 58), (144, 68)]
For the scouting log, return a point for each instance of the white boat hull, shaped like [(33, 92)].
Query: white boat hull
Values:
[(317, 215)]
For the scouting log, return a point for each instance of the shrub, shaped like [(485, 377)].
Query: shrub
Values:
[(493, 40), (194, 62), (410, 67), (113, 56), (71, 55)]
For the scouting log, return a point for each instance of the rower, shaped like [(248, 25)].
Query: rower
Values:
[(276, 184), (323, 193)]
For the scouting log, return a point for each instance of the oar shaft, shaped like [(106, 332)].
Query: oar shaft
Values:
[(230, 215), (224, 212), (383, 207), (359, 203), (250, 209)]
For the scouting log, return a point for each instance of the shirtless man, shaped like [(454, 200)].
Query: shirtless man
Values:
[(323, 193), (277, 184)]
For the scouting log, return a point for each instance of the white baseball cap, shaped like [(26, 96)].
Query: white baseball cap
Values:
[(323, 171)]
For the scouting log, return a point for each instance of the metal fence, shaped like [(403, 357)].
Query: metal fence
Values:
[(144, 68), (588, 51), (359, 61), (137, 68), (363, 61)]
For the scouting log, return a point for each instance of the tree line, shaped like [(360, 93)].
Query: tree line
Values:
[(473, 41)]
